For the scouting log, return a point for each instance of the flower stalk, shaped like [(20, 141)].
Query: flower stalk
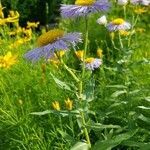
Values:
[(81, 82)]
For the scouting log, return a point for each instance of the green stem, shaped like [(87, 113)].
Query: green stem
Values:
[(124, 11), (71, 73), (85, 130), (134, 22), (120, 40), (81, 82), (71, 124)]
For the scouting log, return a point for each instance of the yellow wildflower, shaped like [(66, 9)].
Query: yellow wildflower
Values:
[(69, 104), (3, 21), (60, 53), (84, 2), (89, 60), (99, 53), (140, 30), (56, 105), (80, 54), (27, 32), (32, 24), (1, 11), (7, 60), (140, 11), (124, 33)]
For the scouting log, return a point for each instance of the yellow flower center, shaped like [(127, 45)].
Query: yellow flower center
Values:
[(84, 2), (50, 37), (89, 60), (118, 21)]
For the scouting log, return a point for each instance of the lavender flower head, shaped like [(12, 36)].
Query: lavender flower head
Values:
[(140, 2), (83, 8), (118, 24), (92, 63), (51, 41)]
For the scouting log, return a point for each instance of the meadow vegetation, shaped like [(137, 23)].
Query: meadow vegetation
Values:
[(66, 102)]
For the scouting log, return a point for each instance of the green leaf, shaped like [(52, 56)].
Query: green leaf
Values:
[(141, 146), (117, 86), (147, 99), (143, 107), (118, 93), (63, 113), (60, 84), (42, 113), (145, 119), (101, 126), (80, 146), (111, 143), (89, 91), (134, 92)]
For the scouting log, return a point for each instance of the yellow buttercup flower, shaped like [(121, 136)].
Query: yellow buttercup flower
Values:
[(100, 53), (84, 2), (56, 105), (118, 21), (79, 54), (7, 60), (69, 104), (50, 37)]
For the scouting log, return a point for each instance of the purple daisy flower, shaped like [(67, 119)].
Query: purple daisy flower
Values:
[(118, 24), (54, 40), (92, 63), (83, 8), (141, 2)]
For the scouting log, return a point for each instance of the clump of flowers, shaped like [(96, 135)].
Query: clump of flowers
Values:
[(7, 60), (90, 63)]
